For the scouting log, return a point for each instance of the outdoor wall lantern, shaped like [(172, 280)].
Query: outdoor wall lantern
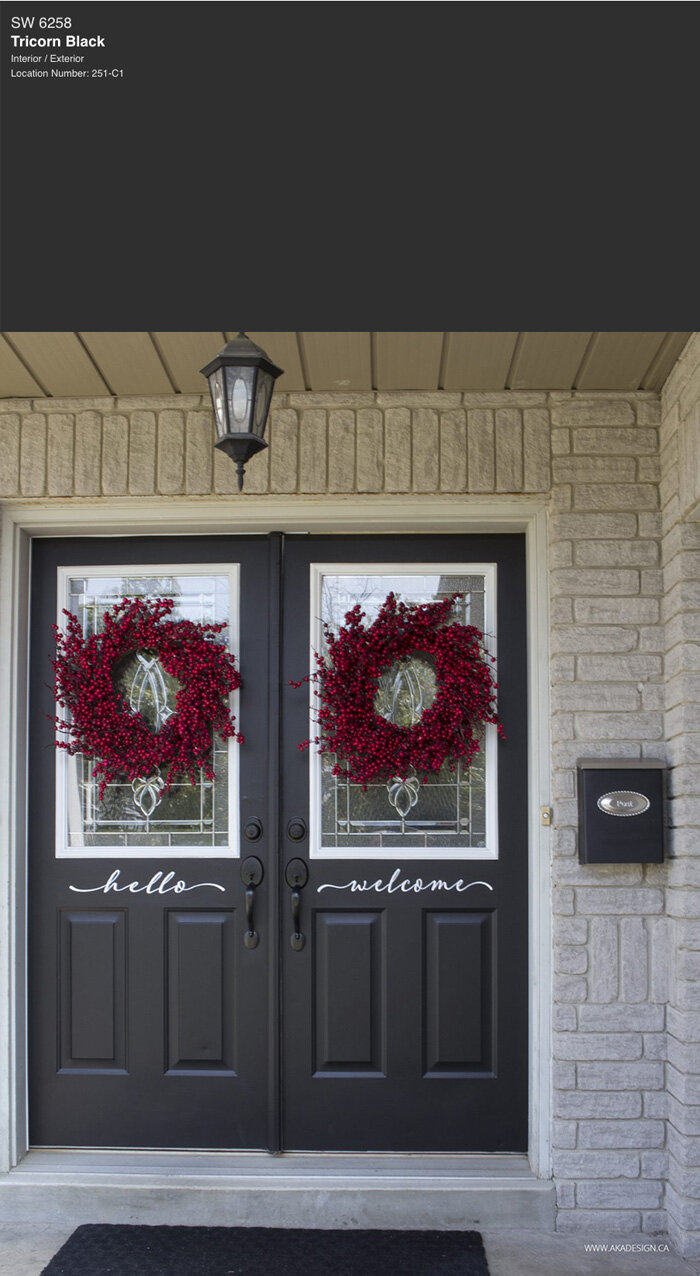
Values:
[(241, 380)]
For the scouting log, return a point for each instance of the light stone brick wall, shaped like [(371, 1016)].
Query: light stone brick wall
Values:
[(596, 458), (681, 616)]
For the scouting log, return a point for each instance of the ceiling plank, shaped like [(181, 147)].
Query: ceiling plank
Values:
[(283, 349), (338, 360), (185, 353), (408, 360), (478, 360), (618, 360), (129, 361), (60, 363), (548, 360), (15, 380), (665, 358)]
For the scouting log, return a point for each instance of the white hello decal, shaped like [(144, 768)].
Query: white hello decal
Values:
[(406, 885), (160, 884)]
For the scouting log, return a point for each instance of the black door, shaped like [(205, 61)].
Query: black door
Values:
[(385, 1005)]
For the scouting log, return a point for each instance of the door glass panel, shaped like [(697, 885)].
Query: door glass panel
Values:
[(449, 814), (140, 818)]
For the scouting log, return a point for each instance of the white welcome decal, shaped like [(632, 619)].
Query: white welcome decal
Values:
[(406, 885), (160, 884)]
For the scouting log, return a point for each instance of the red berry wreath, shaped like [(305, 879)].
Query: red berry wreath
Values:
[(104, 726), (369, 746)]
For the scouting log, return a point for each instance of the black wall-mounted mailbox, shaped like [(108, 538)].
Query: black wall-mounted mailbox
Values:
[(621, 810)]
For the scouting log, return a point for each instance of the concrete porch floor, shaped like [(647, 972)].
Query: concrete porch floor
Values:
[(25, 1249)]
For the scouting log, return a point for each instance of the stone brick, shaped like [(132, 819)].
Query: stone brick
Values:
[(480, 448), (586, 580), (594, 1103), (621, 1018), (171, 452), (654, 1165), (397, 430), (592, 414), (565, 1195), (591, 526), (563, 1134), (509, 450), (615, 726), (656, 1105), (563, 1074), (426, 452), (419, 399), (75, 405), (115, 454), (624, 496), (619, 900), (9, 454), (561, 554), (569, 988), (642, 1194), (225, 475), (142, 453), (560, 442), (563, 900), (562, 668), (564, 786), (649, 524), (88, 453), (332, 399), (598, 1045), (648, 469), (562, 497), (616, 553), (640, 1075), (284, 452), (595, 1222), (590, 638), (593, 469), (14, 405), (571, 930), (616, 611), (621, 1134), (199, 453), (570, 959), (370, 450), (32, 465), (536, 450), (633, 667), (453, 451), (615, 442), (564, 1019), (581, 695), (597, 1165), (312, 451)]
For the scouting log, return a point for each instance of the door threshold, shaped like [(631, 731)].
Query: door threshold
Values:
[(139, 1161), (256, 1189)]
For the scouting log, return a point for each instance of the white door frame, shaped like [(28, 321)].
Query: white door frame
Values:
[(178, 516)]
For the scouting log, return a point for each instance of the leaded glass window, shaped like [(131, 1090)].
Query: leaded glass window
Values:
[(139, 818), (450, 815)]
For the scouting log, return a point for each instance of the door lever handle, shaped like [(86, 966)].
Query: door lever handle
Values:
[(296, 875), (252, 873)]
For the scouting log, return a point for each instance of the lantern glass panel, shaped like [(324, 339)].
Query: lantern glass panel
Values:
[(240, 383), (263, 395), (216, 389)]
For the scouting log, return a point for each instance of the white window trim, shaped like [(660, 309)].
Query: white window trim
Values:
[(228, 516), (316, 850), (63, 761)]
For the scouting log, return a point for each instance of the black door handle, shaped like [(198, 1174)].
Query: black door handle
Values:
[(296, 875), (252, 873)]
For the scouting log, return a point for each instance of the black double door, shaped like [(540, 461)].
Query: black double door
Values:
[(384, 1005)]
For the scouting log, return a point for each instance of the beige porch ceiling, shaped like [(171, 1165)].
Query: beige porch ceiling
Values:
[(75, 364)]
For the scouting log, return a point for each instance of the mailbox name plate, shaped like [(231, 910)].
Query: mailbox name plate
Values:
[(623, 802)]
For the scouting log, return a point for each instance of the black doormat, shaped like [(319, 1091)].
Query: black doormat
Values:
[(120, 1250)]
